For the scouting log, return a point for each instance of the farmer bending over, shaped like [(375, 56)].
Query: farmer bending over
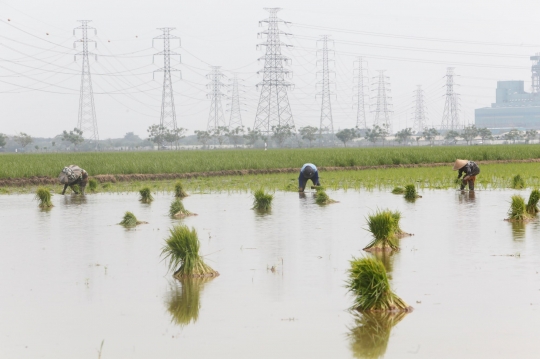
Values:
[(71, 176), (470, 169), (308, 171)]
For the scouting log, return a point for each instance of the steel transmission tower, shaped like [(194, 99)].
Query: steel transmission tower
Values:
[(326, 123), (274, 108), (216, 118), (168, 112), (382, 109), (450, 119), (358, 72), (235, 119), (419, 110), (87, 122)]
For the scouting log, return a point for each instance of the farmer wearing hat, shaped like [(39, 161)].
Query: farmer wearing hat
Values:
[(308, 171), (73, 175), (470, 169)]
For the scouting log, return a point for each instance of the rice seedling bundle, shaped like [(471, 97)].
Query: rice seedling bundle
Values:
[(262, 201), (369, 283), (130, 220), (92, 184), (43, 195), (181, 250), (322, 198), (146, 195), (184, 304), (532, 204), (383, 227), (179, 190), (177, 209), (518, 209), (369, 337), (410, 192), (398, 190), (518, 182)]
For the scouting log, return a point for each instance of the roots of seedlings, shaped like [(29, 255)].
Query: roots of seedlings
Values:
[(146, 195), (518, 210), (182, 249), (532, 205), (398, 190), (262, 201), (43, 195), (130, 220), (179, 190), (369, 282), (177, 210)]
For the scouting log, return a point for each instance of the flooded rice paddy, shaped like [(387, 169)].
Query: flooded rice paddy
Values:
[(77, 285)]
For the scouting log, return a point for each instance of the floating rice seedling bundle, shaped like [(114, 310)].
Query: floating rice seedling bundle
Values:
[(177, 210), (532, 205), (321, 197), (383, 227), (398, 190), (92, 184), (181, 250), (262, 201), (518, 182), (369, 337), (130, 220), (184, 304), (369, 283), (179, 190), (43, 196), (410, 192), (146, 195), (518, 209)]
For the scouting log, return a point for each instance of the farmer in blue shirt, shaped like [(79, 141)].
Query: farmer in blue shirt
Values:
[(308, 171)]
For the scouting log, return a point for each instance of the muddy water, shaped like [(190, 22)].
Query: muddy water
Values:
[(71, 279)]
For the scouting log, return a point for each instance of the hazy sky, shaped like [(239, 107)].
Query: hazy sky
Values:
[(414, 41)]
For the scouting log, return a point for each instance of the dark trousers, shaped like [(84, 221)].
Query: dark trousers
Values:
[(302, 181)]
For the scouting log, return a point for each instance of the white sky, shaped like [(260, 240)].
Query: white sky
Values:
[(39, 81)]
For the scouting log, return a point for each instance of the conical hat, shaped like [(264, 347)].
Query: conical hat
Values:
[(459, 164)]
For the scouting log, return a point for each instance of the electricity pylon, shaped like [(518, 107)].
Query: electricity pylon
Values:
[(382, 109), (450, 119), (326, 122), (420, 120), (235, 118), (216, 118), (168, 113), (358, 73), (87, 122), (274, 108)]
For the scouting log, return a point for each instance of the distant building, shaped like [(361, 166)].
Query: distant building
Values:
[(513, 107)]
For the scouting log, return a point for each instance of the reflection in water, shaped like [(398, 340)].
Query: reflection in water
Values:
[(302, 195), (75, 199), (369, 338), (387, 259), (467, 196), (184, 303), (518, 230)]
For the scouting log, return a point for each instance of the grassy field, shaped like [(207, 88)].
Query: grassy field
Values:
[(28, 165), (492, 176)]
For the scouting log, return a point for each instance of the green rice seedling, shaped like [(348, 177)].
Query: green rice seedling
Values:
[(92, 184), (396, 215), (179, 190), (369, 283), (177, 209), (518, 209), (130, 220), (322, 198), (518, 182), (262, 201), (371, 332), (106, 185), (146, 195), (181, 250), (382, 225), (410, 192), (398, 190), (43, 195), (76, 188), (184, 304), (532, 204)]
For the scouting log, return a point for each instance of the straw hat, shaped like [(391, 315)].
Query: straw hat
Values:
[(459, 164)]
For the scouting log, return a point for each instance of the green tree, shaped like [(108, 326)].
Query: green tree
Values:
[(373, 134), (513, 135), (219, 133), (451, 136), (430, 134), (346, 135), (252, 136), (485, 134), (203, 137), (309, 133), (23, 139), (3, 140), (75, 137), (281, 133), (156, 134), (530, 135), (469, 133), (235, 135), (173, 136), (404, 135)]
